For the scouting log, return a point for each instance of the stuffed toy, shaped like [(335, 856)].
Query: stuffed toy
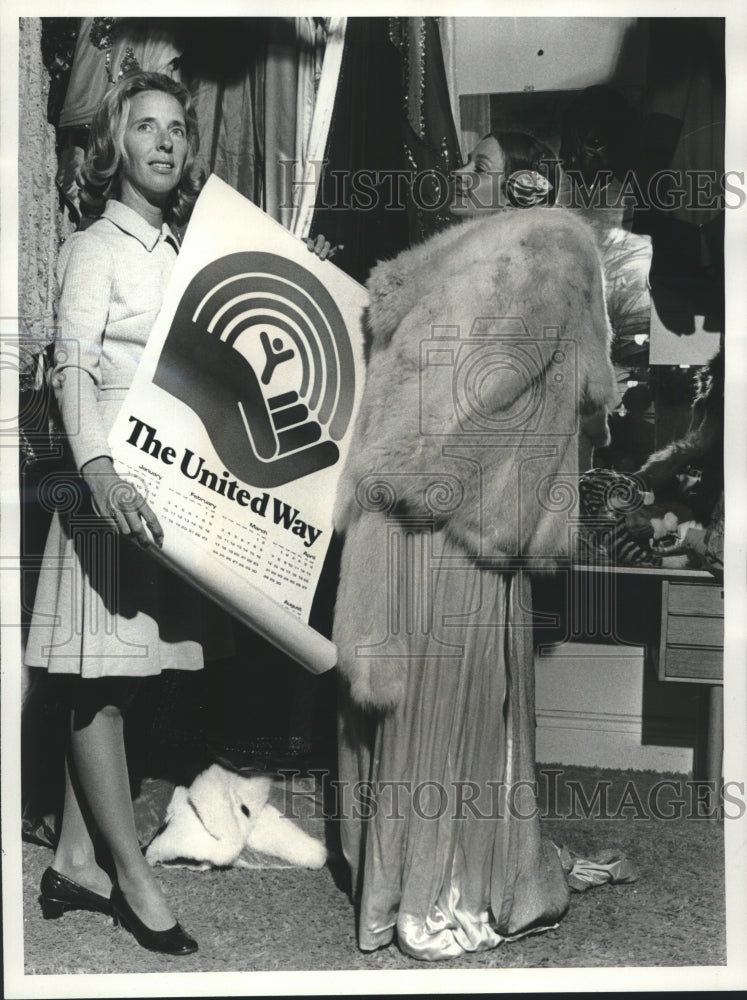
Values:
[(623, 526), (220, 815), (663, 532)]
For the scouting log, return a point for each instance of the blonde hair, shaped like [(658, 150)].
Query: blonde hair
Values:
[(100, 173)]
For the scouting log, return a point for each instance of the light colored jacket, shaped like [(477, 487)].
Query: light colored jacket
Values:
[(490, 349), (113, 276)]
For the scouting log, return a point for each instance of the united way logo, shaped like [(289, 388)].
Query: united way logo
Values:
[(259, 350)]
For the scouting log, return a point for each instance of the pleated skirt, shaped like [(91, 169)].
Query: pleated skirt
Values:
[(104, 607), (439, 816)]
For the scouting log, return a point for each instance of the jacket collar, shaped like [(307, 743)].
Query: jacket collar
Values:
[(128, 220)]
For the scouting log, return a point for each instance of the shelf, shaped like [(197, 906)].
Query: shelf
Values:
[(656, 572)]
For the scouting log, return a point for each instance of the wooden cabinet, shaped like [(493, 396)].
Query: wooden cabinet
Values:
[(691, 649), (692, 632), (687, 642)]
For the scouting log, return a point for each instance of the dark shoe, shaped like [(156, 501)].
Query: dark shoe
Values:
[(59, 893), (174, 941)]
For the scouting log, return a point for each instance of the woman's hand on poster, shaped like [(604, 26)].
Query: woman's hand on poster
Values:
[(120, 504), (322, 247)]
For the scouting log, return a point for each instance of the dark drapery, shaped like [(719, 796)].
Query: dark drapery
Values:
[(683, 131), (392, 143), (223, 66)]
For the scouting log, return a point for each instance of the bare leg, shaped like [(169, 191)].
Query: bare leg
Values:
[(75, 856), (98, 750)]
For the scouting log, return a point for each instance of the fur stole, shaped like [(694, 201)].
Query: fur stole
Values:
[(490, 343)]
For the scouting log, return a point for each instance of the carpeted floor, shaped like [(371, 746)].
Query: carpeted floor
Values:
[(280, 919)]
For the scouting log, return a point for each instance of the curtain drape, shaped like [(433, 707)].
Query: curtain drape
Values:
[(683, 132), (223, 67), (295, 53), (447, 33), (286, 80), (254, 82), (428, 131), (310, 145), (392, 142)]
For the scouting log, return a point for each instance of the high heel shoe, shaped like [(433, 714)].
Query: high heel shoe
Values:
[(173, 941), (59, 893)]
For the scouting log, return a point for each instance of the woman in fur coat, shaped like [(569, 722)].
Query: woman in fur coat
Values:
[(489, 359)]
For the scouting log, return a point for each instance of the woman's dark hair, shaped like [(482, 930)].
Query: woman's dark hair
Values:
[(100, 173), (523, 152), (599, 131)]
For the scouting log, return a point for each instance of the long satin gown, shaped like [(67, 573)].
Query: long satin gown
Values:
[(439, 817)]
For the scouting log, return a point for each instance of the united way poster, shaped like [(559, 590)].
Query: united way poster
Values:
[(237, 423)]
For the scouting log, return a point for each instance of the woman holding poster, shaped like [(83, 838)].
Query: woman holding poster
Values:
[(105, 613), (489, 349)]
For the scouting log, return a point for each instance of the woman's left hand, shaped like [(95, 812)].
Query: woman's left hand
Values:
[(322, 247), (120, 504)]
